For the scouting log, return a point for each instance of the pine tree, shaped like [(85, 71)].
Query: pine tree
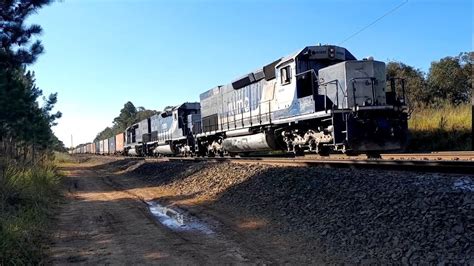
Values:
[(25, 127)]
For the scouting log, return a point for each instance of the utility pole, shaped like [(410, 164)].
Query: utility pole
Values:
[(72, 143)]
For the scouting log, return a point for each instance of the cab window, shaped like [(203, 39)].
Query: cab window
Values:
[(285, 75)]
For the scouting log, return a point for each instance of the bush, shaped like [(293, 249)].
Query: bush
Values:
[(28, 195)]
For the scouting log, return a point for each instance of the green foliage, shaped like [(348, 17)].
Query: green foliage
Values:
[(27, 197), (28, 188), (415, 85), (25, 127), (18, 47), (61, 158), (466, 60), (128, 116), (144, 114), (448, 79)]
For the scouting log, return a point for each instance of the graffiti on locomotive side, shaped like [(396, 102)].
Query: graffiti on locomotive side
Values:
[(244, 100)]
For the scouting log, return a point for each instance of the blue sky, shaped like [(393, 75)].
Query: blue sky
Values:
[(102, 53)]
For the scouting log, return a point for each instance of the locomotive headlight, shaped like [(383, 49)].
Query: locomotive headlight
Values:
[(331, 52)]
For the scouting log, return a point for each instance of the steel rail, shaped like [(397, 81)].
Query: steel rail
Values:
[(453, 167)]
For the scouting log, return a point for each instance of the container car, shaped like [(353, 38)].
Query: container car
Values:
[(97, 147), (106, 146), (119, 143), (101, 147)]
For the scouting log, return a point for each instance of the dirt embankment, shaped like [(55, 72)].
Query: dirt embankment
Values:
[(268, 214)]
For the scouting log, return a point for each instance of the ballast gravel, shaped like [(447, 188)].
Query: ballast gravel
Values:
[(338, 215)]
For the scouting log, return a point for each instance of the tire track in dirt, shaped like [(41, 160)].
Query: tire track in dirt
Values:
[(101, 223)]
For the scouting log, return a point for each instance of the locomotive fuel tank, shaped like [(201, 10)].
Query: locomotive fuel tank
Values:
[(255, 142), (164, 149), (132, 152)]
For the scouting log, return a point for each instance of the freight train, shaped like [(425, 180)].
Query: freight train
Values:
[(320, 99)]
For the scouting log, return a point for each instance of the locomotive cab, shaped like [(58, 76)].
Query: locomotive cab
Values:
[(331, 101)]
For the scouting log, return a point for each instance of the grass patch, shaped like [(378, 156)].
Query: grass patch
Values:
[(62, 157), (445, 127), (28, 195)]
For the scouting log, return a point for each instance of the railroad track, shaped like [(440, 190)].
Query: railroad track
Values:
[(460, 162), (419, 165), (447, 155), (431, 156)]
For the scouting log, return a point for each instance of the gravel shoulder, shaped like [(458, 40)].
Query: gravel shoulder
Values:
[(264, 214)]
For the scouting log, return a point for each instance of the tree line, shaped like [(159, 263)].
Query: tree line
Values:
[(128, 116), (448, 81), (25, 125)]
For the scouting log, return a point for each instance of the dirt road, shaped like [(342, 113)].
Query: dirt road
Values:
[(100, 223)]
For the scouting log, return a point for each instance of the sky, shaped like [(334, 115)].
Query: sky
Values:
[(99, 54)]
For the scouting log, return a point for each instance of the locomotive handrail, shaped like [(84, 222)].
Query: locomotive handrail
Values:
[(304, 72), (338, 87), (394, 88), (241, 121), (313, 72)]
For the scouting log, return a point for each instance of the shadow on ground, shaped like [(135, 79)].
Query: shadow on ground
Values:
[(315, 215)]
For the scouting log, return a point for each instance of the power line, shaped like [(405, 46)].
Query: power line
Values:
[(375, 21)]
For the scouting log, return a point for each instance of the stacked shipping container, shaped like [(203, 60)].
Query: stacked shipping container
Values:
[(106, 146), (112, 145), (119, 142), (101, 147)]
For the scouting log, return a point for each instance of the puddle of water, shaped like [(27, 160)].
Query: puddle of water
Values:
[(175, 220), (465, 184)]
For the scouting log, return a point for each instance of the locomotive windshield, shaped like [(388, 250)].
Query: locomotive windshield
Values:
[(311, 60)]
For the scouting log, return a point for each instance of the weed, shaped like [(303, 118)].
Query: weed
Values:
[(28, 195), (443, 127)]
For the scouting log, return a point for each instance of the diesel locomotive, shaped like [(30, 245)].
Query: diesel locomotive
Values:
[(320, 99)]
